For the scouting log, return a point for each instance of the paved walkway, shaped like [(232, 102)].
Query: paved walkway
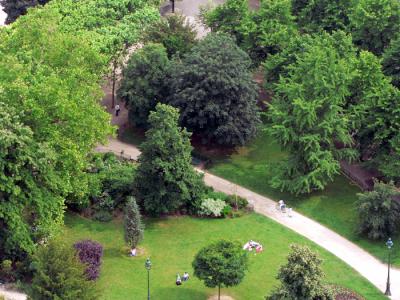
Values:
[(11, 295)]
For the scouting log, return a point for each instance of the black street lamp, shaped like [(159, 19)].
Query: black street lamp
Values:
[(148, 267), (389, 244)]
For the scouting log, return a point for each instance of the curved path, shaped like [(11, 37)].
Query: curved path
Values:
[(11, 295)]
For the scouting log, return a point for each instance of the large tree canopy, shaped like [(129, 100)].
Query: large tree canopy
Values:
[(374, 23), (30, 203), (165, 180), (307, 116), (391, 61), (143, 82), (215, 92)]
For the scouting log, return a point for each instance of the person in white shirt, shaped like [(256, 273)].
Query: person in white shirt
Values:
[(117, 110)]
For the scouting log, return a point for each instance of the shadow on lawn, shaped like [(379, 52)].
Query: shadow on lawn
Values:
[(183, 292)]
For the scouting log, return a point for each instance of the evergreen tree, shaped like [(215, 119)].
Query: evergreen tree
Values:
[(166, 180), (301, 277), (133, 226), (143, 82), (391, 61), (379, 214), (307, 116), (215, 92), (60, 275), (222, 263), (374, 23)]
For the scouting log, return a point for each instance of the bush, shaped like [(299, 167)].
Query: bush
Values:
[(90, 253), (236, 201), (6, 270), (212, 207), (59, 274), (102, 216), (226, 211)]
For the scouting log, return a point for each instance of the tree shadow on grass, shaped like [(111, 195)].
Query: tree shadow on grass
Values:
[(179, 293)]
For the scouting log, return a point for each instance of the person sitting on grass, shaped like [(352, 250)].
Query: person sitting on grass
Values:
[(178, 279), (133, 252), (185, 276)]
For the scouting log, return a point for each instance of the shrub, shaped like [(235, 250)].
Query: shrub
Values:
[(133, 225), (226, 211), (90, 253), (6, 270), (102, 216), (59, 274), (379, 215), (236, 201), (212, 207)]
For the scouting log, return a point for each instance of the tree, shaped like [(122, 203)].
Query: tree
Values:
[(165, 180), (90, 254), (142, 86), (30, 207), (328, 15), (133, 226), (379, 213), (215, 92), (301, 277), (374, 23), (272, 29), (307, 116), (231, 17), (222, 263), (391, 61), (175, 33), (59, 275), (16, 8)]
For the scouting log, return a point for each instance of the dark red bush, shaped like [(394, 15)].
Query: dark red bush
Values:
[(90, 253)]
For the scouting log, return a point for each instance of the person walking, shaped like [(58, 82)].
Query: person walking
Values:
[(117, 110)]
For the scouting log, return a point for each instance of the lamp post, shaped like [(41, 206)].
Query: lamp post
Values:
[(148, 267), (389, 244)]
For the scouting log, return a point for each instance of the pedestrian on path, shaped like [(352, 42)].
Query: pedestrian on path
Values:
[(117, 109)]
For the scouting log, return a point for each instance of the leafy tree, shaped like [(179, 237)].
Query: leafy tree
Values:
[(328, 15), (301, 277), (165, 180), (307, 116), (175, 33), (142, 86), (374, 23), (391, 61), (16, 8), (222, 263), (232, 17), (215, 92), (133, 226), (30, 207), (272, 29), (298, 6), (379, 214), (60, 275)]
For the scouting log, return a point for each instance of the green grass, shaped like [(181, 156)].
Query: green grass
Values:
[(334, 207), (172, 243)]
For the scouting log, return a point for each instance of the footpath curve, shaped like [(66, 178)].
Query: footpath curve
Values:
[(360, 260)]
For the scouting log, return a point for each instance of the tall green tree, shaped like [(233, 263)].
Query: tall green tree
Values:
[(133, 225), (301, 277), (391, 61), (379, 213), (165, 180), (374, 23), (16, 8), (328, 15), (215, 92), (31, 207), (58, 274), (54, 79), (222, 263), (175, 33), (143, 82), (307, 117)]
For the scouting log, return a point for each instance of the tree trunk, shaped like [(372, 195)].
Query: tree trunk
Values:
[(173, 6), (219, 292), (114, 79)]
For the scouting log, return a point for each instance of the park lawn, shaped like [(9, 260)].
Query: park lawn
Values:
[(252, 166), (172, 243)]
